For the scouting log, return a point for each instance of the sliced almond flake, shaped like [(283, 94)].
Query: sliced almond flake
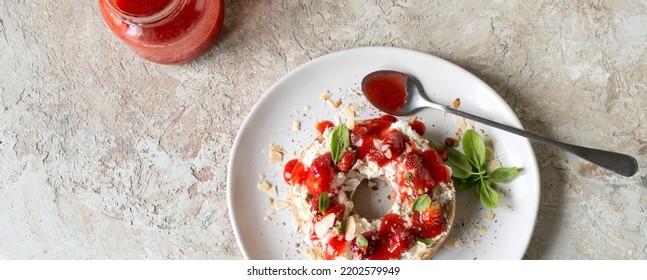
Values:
[(407, 148), (271, 213), (306, 107), (412, 119), (492, 165), (507, 208), (377, 143), (267, 219), (489, 217), (388, 154), (336, 104), (273, 191), (474, 243), (322, 227), (458, 242), (264, 185), (350, 122), (275, 156), (456, 103), (453, 242), (348, 111), (326, 95), (459, 121), (296, 126), (489, 153), (277, 148), (329, 102), (281, 204), (492, 140), (482, 229), (501, 195), (350, 228)]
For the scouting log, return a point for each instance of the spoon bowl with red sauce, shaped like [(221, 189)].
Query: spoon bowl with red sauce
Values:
[(399, 94)]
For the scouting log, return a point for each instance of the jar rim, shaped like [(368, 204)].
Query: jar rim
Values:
[(151, 18)]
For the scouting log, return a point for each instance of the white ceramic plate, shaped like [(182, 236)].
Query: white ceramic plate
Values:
[(506, 236)]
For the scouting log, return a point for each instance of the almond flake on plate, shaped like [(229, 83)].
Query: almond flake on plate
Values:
[(265, 186), (281, 204), (296, 126), (276, 153), (326, 95)]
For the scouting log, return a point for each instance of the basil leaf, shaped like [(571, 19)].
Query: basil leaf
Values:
[(488, 196), (458, 159), (463, 184), (361, 241), (340, 142), (427, 241), (474, 148), (324, 200), (458, 172), (503, 174), (421, 203)]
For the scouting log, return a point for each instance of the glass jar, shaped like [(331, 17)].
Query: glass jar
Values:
[(165, 31)]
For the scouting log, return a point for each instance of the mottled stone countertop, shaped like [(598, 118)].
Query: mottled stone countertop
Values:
[(106, 155)]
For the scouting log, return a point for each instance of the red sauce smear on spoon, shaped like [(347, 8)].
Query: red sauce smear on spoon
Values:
[(386, 91)]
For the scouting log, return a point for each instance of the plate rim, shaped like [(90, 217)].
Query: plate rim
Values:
[(266, 95)]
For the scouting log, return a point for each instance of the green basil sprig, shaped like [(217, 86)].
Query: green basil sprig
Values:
[(468, 170), (340, 142)]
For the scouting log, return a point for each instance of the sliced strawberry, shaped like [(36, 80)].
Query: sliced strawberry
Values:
[(433, 162), (419, 127), (294, 172), (322, 126), (339, 210), (320, 175), (388, 118), (393, 246), (391, 223), (347, 161), (442, 153), (289, 169), (335, 247), (395, 139), (314, 203), (430, 222), (365, 253)]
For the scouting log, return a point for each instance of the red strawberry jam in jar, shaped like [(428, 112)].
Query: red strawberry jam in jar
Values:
[(165, 31)]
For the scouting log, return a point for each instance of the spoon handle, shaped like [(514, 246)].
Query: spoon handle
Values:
[(620, 163)]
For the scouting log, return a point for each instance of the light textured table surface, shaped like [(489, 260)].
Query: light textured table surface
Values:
[(105, 155)]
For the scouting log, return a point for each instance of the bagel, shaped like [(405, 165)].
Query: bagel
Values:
[(385, 148)]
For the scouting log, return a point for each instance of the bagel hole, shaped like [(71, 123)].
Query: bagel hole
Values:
[(372, 198)]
